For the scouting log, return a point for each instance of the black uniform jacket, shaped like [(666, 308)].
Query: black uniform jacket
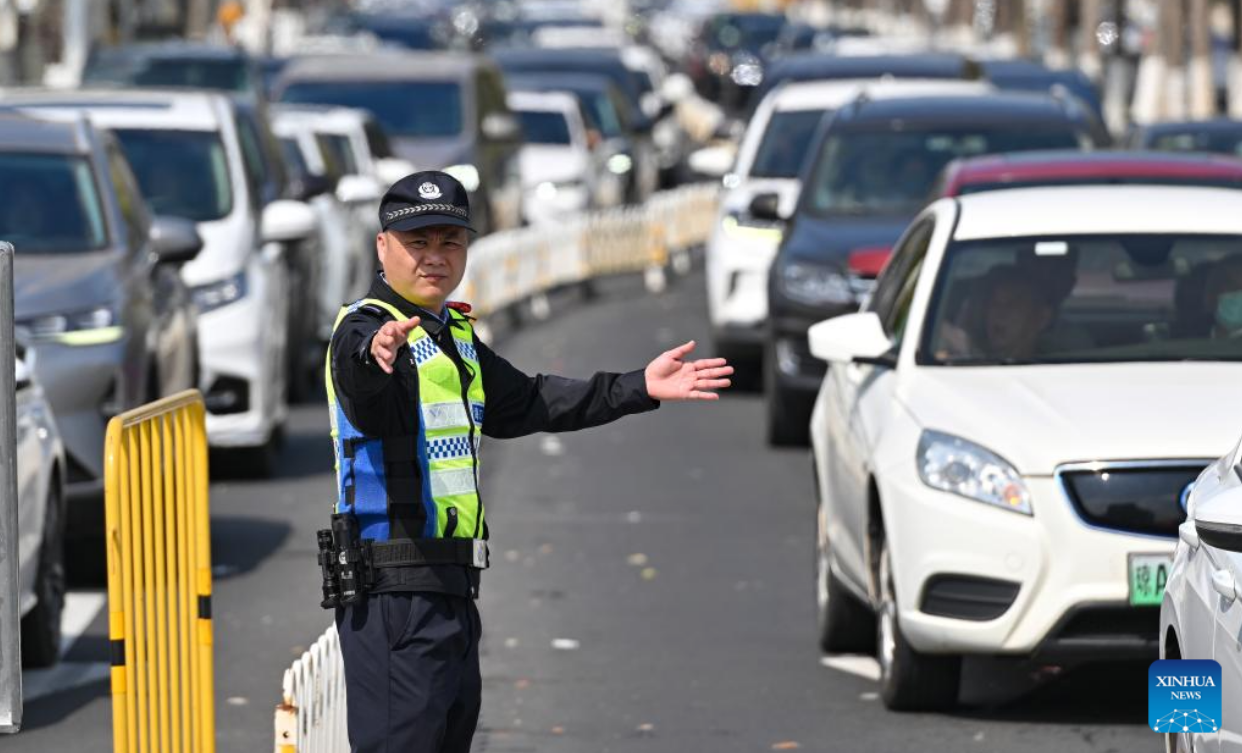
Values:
[(380, 404)]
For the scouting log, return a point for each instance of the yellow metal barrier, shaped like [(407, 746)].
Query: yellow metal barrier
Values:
[(159, 578)]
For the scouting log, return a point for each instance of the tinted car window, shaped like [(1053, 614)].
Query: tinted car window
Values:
[(342, 154), (748, 33), (1088, 299), (1217, 142), (544, 127), (403, 108), (892, 171), (292, 154), (161, 160), (127, 196), (58, 209), (221, 75), (785, 144)]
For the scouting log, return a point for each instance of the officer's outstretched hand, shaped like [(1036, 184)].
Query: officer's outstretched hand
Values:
[(671, 378), (389, 339)]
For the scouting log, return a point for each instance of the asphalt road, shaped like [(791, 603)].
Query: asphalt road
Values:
[(651, 590)]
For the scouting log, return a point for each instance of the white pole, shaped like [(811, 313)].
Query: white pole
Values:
[(10, 609)]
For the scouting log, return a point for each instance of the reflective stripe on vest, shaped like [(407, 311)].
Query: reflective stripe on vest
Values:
[(374, 474)]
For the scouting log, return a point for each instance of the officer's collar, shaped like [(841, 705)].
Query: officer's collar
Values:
[(431, 321)]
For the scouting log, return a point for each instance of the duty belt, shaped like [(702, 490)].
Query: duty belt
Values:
[(410, 553)]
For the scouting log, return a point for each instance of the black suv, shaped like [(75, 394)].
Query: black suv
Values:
[(871, 168)]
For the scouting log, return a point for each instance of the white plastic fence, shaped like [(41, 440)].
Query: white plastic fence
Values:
[(505, 269)]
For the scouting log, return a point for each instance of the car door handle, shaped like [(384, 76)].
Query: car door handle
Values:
[(1186, 531), (1224, 584)]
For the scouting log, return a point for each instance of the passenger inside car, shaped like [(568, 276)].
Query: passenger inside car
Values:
[(1004, 318), (1224, 297)]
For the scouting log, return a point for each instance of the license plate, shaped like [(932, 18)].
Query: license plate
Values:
[(1148, 575)]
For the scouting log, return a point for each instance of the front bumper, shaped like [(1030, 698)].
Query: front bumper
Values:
[(1072, 581), (86, 385), (243, 345)]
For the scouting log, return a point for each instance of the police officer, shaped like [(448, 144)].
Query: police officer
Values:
[(412, 390)]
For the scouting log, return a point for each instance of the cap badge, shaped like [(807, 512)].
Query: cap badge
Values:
[(429, 191)]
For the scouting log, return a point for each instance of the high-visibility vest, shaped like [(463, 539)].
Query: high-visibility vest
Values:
[(378, 478)]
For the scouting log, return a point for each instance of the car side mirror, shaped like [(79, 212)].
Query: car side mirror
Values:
[(767, 207), (358, 189), (499, 126), (175, 240), (851, 338), (712, 161), (284, 221), (389, 170), (1218, 520)]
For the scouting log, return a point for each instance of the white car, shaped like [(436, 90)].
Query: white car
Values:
[(333, 143), (1200, 616), (557, 165), (771, 156), (1006, 431), (41, 521), (186, 150)]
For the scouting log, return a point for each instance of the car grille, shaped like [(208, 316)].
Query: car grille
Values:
[(1146, 498)]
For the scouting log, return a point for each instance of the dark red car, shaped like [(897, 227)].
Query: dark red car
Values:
[(1063, 168)]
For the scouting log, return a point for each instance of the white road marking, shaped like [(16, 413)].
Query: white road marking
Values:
[(860, 666), (81, 609)]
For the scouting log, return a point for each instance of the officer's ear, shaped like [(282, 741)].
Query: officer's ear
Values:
[(381, 246)]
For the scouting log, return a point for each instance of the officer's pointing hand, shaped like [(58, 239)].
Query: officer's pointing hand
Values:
[(671, 378), (389, 339)]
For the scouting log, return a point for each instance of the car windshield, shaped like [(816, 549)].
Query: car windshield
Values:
[(57, 207), (785, 143), (748, 33), (220, 75), (1087, 299), (891, 170), (162, 160), (542, 127), (1217, 142), (416, 109), (601, 112)]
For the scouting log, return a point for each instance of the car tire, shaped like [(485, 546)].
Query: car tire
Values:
[(846, 625), (909, 680), (41, 630), (786, 427)]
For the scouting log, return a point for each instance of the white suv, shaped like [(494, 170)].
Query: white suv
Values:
[(184, 149), (769, 161), (1007, 431)]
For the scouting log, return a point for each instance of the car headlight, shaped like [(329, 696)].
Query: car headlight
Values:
[(95, 326), (213, 295), (620, 164), (952, 464), (815, 285), (466, 175)]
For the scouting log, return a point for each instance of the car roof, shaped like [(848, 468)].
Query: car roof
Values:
[(134, 108), (819, 95), (1091, 210), (21, 132), (983, 107), (1057, 162), (552, 101), (388, 65)]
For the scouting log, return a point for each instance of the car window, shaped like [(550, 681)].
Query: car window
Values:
[(252, 161), (491, 94), (1088, 299), (291, 151), (786, 141), (416, 109), (377, 140), (58, 209), (161, 160), (890, 168), (895, 289), (1217, 142), (128, 197), (544, 127), (341, 151), (220, 75)]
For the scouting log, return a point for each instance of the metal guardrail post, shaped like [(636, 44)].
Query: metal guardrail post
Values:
[(10, 607)]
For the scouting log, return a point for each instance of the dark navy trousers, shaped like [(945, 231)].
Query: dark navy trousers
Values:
[(411, 672)]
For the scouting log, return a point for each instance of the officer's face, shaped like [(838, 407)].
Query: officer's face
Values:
[(424, 265)]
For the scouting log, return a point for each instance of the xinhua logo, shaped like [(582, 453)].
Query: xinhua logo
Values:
[(1183, 695)]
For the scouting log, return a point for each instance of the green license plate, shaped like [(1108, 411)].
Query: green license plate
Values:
[(1148, 575)]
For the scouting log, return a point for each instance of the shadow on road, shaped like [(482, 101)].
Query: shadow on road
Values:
[(51, 710), (1094, 694), (240, 544)]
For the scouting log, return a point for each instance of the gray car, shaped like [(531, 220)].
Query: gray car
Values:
[(441, 111), (98, 296)]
